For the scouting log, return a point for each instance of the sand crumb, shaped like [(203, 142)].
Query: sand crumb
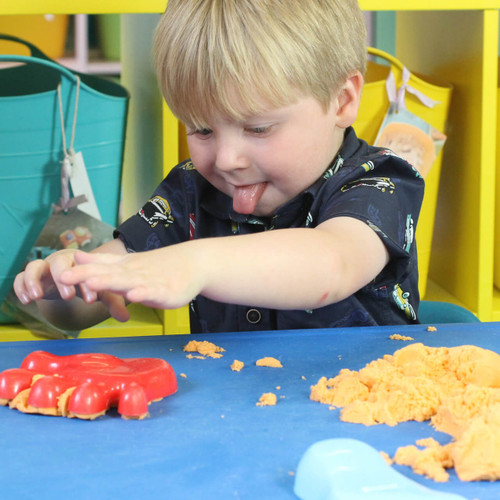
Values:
[(397, 336), (237, 366), (205, 348), (269, 362), (267, 399)]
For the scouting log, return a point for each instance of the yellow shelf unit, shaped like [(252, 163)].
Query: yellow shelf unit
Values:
[(430, 41), (463, 245), (158, 6)]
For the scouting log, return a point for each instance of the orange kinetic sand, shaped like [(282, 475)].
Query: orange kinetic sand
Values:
[(269, 362), (237, 365), (204, 348), (457, 389), (267, 399)]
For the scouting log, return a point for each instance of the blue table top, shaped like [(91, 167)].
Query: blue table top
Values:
[(210, 440)]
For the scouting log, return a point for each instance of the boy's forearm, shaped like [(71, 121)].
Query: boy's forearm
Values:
[(283, 269), (278, 269)]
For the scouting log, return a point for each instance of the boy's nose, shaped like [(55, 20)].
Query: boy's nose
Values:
[(230, 156)]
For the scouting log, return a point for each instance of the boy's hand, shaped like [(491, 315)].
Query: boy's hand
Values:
[(160, 278), (41, 282), (41, 279)]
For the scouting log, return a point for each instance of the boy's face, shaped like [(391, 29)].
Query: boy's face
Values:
[(268, 159)]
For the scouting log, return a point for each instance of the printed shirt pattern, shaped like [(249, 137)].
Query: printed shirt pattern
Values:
[(367, 183)]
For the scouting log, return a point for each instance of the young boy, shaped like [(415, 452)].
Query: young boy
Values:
[(282, 218)]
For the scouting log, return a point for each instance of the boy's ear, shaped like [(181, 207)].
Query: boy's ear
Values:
[(348, 99)]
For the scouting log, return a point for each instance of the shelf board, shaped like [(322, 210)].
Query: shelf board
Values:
[(436, 292), (95, 67), (158, 6), (83, 7), (143, 321)]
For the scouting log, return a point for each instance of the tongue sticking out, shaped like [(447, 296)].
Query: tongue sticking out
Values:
[(245, 198)]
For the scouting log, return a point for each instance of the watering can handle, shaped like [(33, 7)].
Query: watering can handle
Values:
[(37, 56), (388, 57), (35, 51)]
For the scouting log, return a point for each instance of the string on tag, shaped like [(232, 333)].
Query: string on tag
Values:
[(397, 96), (66, 202)]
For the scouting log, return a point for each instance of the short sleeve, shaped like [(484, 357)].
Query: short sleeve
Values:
[(386, 193), (163, 220)]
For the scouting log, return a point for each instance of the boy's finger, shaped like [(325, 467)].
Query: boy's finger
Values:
[(30, 281), (89, 296), (116, 306), (117, 282), (57, 267), (91, 266), (82, 273), (20, 289)]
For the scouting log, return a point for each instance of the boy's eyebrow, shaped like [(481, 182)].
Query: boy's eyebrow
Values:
[(270, 115)]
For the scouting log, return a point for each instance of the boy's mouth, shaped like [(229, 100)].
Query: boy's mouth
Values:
[(245, 198)]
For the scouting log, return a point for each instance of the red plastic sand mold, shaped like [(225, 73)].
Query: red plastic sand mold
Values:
[(86, 385)]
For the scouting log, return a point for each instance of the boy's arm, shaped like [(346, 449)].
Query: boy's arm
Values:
[(300, 268), (68, 307), (283, 269)]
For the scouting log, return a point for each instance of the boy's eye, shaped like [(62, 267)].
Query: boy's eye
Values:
[(204, 131), (258, 130), (198, 131)]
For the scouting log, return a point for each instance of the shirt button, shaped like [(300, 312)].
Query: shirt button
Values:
[(254, 316)]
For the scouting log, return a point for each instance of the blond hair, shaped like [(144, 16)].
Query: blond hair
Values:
[(236, 57)]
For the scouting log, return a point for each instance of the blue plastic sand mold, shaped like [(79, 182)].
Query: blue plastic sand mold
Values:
[(348, 469)]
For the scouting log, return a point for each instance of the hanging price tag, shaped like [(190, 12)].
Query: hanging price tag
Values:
[(80, 185)]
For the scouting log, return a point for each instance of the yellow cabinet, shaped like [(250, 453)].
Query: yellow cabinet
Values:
[(457, 41)]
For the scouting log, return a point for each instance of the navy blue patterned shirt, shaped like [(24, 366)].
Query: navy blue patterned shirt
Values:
[(367, 183)]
